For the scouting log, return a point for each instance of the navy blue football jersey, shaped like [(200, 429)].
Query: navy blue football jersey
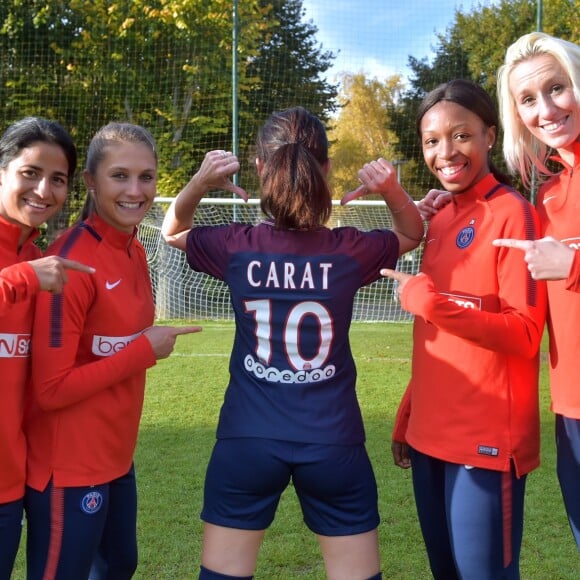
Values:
[(292, 374)]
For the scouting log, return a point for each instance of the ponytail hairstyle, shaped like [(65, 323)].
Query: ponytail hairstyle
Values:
[(112, 134), (472, 97), (292, 148)]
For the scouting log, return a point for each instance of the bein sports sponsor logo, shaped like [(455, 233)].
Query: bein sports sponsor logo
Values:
[(14, 345), (274, 375), (109, 345), (468, 302)]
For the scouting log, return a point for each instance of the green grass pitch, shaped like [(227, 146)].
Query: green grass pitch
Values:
[(184, 394)]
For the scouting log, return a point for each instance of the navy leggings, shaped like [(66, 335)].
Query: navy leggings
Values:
[(10, 530), (471, 519), (82, 532), (568, 467)]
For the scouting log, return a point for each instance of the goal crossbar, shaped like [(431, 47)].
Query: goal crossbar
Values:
[(182, 293)]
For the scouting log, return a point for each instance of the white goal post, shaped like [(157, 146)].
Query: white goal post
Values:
[(181, 293)]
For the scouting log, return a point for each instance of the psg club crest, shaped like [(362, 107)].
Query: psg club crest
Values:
[(92, 502), (465, 237)]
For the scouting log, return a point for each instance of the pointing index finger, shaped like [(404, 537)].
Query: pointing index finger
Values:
[(393, 274), (74, 265), (186, 329), (524, 245)]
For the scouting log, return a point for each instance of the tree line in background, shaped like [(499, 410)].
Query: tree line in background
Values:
[(167, 64), (164, 64)]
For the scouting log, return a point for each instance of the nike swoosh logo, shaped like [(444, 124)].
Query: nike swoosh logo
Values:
[(431, 240), (111, 285), (547, 199)]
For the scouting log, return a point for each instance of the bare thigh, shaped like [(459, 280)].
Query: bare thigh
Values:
[(229, 550), (351, 557)]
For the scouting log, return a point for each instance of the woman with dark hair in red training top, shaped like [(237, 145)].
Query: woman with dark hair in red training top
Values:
[(469, 420), (37, 166)]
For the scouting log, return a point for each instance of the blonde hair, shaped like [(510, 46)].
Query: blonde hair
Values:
[(523, 151)]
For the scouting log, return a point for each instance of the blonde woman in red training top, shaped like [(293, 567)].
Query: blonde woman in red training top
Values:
[(539, 95)]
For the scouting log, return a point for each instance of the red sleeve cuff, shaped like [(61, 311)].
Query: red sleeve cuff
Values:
[(573, 280), (18, 282), (402, 418), (146, 353)]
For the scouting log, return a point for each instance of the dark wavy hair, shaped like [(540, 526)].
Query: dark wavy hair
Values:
[(30, 130)]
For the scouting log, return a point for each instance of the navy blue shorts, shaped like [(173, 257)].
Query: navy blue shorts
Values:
[(335, 485)]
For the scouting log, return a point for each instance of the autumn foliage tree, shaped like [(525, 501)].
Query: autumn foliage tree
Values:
[(360, 132)]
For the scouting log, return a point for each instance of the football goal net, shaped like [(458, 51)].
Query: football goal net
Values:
[(182, 293)]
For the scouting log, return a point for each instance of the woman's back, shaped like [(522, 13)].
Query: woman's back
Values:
[(292, 372)]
